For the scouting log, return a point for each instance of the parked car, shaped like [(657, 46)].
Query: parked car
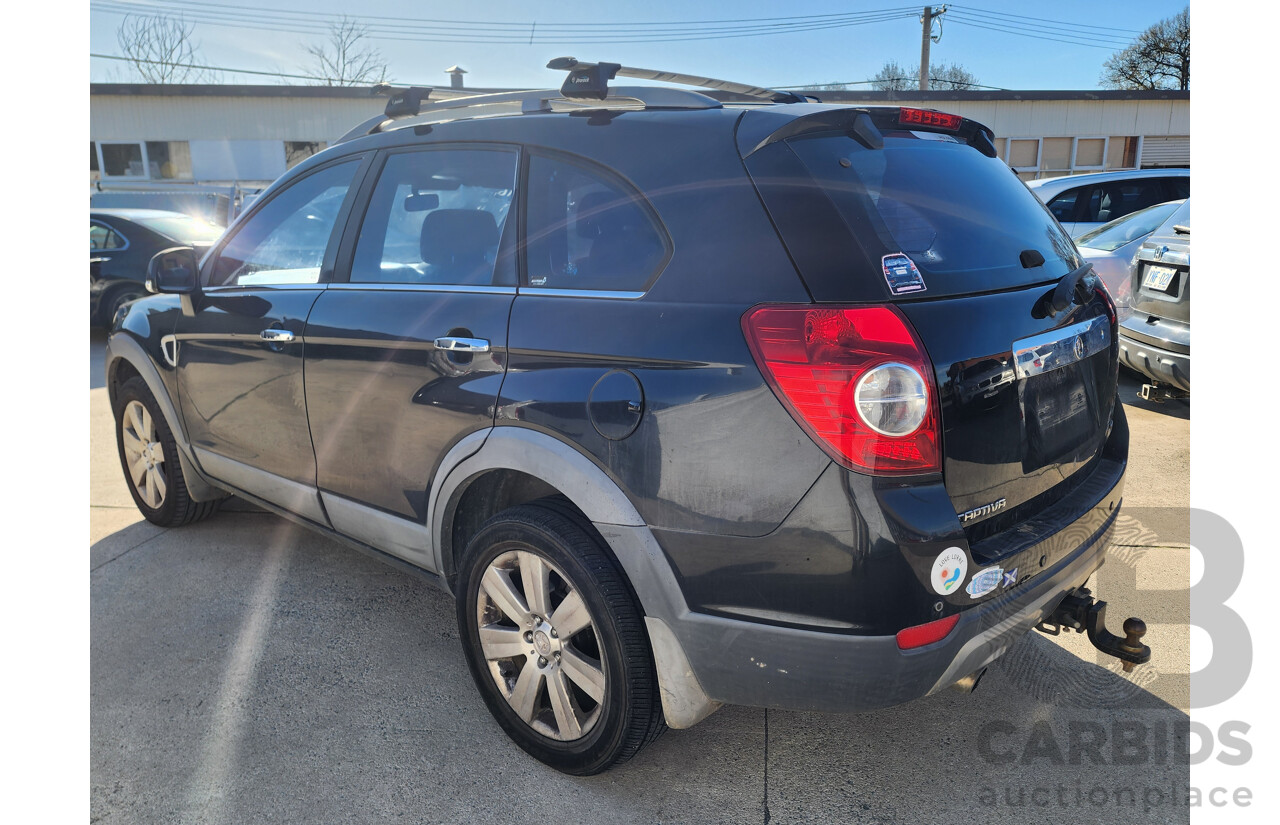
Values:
[(677, 412), (1155, 339), (1111, 248), (1084, 202), (121, 244)]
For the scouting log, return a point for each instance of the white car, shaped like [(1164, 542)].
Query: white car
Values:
[(1112, 247), (1084, 202)]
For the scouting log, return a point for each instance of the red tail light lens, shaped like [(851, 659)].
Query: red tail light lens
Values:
[(855, 378), (925, 117), (926, 634)]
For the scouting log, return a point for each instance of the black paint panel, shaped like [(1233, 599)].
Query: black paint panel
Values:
[(385, 405)]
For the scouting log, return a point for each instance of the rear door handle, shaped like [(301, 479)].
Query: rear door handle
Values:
[(463, 344), (277, 336)]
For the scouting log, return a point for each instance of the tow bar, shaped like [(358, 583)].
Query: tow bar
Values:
[(1080, 612)]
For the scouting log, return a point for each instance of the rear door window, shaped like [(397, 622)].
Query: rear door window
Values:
[(960, 216), (588, 229)]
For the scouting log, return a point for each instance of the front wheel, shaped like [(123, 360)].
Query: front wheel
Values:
[(149, 458), (555, 641)]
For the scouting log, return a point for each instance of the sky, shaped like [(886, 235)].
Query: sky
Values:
[(773, 44)]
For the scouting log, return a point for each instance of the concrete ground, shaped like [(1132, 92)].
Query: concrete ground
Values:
[(245, 670)]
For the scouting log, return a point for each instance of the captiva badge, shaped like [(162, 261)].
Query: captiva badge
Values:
[(901, 274)]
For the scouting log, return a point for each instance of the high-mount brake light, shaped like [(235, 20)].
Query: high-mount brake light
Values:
[(856, 379), (926, 117)]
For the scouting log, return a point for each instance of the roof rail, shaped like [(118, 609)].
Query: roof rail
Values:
[(590, 80), (422, 106)]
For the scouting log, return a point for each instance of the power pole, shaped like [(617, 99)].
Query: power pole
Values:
[(926, 35)]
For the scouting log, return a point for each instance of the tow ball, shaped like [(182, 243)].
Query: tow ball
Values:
[(1080, 612)]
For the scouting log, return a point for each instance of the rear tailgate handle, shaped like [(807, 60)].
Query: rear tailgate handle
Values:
[(463, 344)]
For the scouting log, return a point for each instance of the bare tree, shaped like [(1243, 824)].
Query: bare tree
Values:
[(345, 58), (161, 49), (1160, 58), (895, 78)]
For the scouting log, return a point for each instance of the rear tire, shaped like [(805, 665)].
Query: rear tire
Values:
[(149, 459), (114, 300), (555, 640)]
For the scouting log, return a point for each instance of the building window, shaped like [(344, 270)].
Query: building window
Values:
[(1090, 153), (94, 172), (1055, 157), (122, 160), (296, 151), (169, 160), (1122, 153), (152, 160)]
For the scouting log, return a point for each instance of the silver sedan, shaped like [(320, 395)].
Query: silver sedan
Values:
[(1111, 248)]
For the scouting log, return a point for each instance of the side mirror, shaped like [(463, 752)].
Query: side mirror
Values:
[(174, 271)]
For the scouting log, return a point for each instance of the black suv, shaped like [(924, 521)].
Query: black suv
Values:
[(684, 400)]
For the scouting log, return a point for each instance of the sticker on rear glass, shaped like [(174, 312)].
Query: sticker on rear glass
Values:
[(948, 571), (901, 274)]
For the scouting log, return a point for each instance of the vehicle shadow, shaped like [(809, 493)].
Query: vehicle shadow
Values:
[(356, 693)]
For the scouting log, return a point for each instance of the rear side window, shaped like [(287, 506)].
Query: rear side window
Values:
[(102, 236), (436, 217), (1108, 201), (589, 230), (1178, 188), (960, 216)]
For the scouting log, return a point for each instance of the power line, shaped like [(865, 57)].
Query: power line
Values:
[(993, 13), (494, 32), (221, 68), (1047, 31), (961, 22)]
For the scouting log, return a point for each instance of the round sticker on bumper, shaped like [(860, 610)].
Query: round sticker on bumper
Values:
[(948, 571)]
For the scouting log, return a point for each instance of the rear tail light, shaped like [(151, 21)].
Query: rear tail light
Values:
[(926, 634), (856, 379)]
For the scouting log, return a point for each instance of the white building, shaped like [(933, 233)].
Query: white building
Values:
[(249, 135)]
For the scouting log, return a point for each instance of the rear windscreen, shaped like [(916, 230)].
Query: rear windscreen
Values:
[(963, 219)]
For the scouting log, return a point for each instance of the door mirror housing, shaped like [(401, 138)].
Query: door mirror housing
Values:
[(174, 271)]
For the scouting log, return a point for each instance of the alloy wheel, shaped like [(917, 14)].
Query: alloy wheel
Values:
[(540, 642), (144, 454)]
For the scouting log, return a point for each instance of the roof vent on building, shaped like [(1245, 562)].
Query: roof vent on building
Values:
[(455, 76)]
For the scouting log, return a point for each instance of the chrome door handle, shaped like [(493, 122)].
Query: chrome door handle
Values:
[(463, 344), (277, 336)]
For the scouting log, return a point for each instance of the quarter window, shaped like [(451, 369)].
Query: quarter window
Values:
[(284, 242), (1063, 206), (436, 217), (589, 230), (102, 236)]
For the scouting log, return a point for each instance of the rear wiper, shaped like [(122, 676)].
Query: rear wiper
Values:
[(1181, 230), (1067, 291)]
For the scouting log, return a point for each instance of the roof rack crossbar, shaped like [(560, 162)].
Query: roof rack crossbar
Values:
[(589, 79), (529, 101)]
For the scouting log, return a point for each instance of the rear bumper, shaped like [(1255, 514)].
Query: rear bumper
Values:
[(749, 663), (1158, 364)]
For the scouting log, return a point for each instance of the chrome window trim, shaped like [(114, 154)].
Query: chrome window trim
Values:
[(249, 287), (581, 293), (412, 287), (110, 228), (1068, 345)]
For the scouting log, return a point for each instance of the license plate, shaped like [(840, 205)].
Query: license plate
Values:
[(1158, 277)]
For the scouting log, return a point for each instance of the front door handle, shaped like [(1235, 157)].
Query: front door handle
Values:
[(277, 336), (463, 344)]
